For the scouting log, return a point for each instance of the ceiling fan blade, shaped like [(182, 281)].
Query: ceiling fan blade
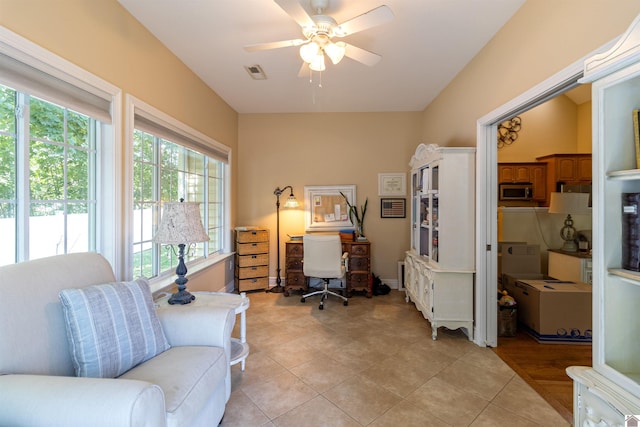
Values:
[(274, 45), (304, 70), (296, 11), (361, 55), (375, 17)]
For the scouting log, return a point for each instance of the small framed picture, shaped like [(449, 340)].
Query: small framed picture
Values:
[(392, 184), (393, 208)]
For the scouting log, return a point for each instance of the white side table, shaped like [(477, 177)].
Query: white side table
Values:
[(240, 304)]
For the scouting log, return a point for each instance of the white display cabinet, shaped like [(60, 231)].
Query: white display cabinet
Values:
[(608, 392), (439, 267)]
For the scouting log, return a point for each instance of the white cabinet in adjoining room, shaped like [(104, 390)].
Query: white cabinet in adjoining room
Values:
[(439, 267)]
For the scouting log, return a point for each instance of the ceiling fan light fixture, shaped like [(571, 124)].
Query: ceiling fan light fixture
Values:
[(318, 63), (335, 51), (309, 51)]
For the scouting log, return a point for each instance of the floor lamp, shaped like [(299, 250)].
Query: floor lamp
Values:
[(290, 203)]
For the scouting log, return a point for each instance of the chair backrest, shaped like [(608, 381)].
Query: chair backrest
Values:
[(33, 337), (322, 256)]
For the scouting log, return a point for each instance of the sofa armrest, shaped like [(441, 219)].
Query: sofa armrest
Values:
[(40, 400), (186, 325)]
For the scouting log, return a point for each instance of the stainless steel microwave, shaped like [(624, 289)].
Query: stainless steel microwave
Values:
[(515, 191)]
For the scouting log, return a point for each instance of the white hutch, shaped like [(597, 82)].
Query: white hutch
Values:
[(439, 267), (609, 392)]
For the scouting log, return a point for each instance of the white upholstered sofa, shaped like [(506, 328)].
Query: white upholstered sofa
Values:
[(188, 384)]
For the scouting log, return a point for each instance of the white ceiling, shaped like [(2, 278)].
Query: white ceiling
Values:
[(422, 49)]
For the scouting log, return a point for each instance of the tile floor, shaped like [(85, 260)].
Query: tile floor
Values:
[(372, 363)]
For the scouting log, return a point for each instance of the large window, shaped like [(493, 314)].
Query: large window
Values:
[(59, 169), (170, 165), (47, 178)]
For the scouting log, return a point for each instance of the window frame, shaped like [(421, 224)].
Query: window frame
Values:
[(108, 168), (135, 106)]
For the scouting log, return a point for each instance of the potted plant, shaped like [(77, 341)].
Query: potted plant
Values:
[(357, 218)]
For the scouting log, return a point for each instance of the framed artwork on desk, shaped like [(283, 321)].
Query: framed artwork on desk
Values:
[(326, 209), (392, 184)]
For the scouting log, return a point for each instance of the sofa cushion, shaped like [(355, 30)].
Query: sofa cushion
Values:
[(111, 327), (190, 376)]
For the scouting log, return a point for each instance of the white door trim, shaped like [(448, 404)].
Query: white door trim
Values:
[(486, 330)]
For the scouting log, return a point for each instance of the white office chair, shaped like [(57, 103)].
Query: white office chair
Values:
[(323, 259)]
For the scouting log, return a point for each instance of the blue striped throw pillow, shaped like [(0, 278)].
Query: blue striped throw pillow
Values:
[(112, 327)]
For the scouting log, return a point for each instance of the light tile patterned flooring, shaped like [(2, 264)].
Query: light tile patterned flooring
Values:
[(372, 363)]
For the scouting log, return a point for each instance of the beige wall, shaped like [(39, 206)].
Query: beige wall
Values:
[(542, 38), (101, 37), (550, 128), (584, 128), (321, 149), (276, 150)]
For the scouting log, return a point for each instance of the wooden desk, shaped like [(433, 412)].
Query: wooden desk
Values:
[(358, 276)]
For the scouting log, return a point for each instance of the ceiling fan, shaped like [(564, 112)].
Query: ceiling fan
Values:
[(319, 30)]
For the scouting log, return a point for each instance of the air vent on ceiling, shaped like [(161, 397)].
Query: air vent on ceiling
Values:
[(256, 72)]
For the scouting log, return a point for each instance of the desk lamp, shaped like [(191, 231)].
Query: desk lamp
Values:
[(291, 202), (569, 203), (181, 225)]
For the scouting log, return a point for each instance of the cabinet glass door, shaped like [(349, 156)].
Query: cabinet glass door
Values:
[(425, 224), (616, 289)]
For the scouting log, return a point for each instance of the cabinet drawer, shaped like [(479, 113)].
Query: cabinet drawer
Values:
[(295, 250), (252, 260), (295, 279), (359, 250), (251, 284), (250, 272), (252, 236), (359, 280), (294, 264), (359, 264), (252, 248)]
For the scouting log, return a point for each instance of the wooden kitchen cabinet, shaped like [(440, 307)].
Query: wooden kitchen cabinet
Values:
[(533, 172), (569, 169)]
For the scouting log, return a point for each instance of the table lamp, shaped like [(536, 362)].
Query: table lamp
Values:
[(181, 225), (569, 203)]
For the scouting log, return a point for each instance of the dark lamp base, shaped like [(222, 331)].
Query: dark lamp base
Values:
[(181, 297), (276, 289)]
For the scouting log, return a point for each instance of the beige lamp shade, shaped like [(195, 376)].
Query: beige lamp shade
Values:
[(180, 224), (569, 203)]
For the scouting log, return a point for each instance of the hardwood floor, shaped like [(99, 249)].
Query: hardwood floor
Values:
[(543, 366)]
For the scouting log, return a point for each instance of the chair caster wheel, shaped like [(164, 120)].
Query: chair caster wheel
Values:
[(345, 303), (321, 307), (301, 299)]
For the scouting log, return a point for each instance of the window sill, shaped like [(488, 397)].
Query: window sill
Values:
[(165, 282)]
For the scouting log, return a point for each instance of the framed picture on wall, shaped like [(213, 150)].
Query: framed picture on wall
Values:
[(393, 208), (392, 184), (326, 209)]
